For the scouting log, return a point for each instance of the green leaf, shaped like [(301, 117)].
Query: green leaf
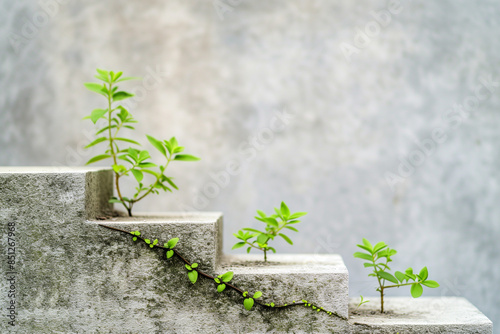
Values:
[(287, 239), (293, 222), (257, 294), (400, 276), (119, 168), (115, 200), (252, 230), (127, 140), (170, 253), (98, 158), (363, 256), (291, 228), (96, 114), (431, 284), (379, 246), (188, 267), (248, 303), (97, 141), (118, 96), (172, 242), (271, 221), (169, 180), (284, 210), (97, 88), (186, 157), (193, 276), (103, 74), (368, 265), (147, 241), (221, 287), (297, 215), (365, 248), (134, 238), (387, 276), (238, 245), (227, 276), (146, 165), (423, 274), (128, 78), (262, 238), (217, 280), (416, 290), (245, 293), (150, 172), (368, 244), (262, 214), (157, 144), (138, 175), (104, 129), (249, 249)]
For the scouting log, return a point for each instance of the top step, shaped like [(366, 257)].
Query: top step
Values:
[(62, 192)]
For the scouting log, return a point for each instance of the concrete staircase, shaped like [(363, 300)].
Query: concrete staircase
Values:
[(71, 275)]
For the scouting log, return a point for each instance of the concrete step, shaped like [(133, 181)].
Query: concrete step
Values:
[(199, 233), (453, 315), (284, 278), (70, 275)]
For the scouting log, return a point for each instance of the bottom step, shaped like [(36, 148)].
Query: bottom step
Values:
[(422, 315)]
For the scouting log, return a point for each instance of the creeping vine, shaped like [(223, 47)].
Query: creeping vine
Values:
[(221, 281)]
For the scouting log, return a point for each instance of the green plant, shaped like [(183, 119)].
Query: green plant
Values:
[(378, 258), (129, 160), (274, 224), (223, 281), (362, 301)]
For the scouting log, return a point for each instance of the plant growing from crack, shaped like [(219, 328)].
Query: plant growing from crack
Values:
[(361, 302), (378, 258), (126, 161), (221, 282), (274, 224)]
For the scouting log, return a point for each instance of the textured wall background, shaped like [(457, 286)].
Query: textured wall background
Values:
[(316, 111)]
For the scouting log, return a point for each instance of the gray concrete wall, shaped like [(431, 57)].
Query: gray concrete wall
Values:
[(225, 73)]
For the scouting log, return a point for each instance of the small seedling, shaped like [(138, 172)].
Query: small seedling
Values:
[(362, 301), (274, 224), (378, 258), (126, 161)]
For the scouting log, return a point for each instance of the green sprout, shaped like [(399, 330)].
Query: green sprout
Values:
[(362, 301), (274, 224), (378, 258), (129, 160)]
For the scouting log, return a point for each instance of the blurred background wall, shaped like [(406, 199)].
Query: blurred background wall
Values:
[(379, 118)]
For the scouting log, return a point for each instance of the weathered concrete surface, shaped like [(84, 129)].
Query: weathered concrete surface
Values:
[(452, 315), (200, 233), (74, 276), (322, 279), (55, 192)]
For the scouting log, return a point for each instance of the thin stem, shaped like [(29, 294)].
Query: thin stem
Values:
[(403, 284), (381, 289), (231, 286), (113, 154)]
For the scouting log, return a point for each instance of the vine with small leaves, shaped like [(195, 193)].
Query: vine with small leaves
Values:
[(274, 224), (378, 258), (117, 117), (223, 281)]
